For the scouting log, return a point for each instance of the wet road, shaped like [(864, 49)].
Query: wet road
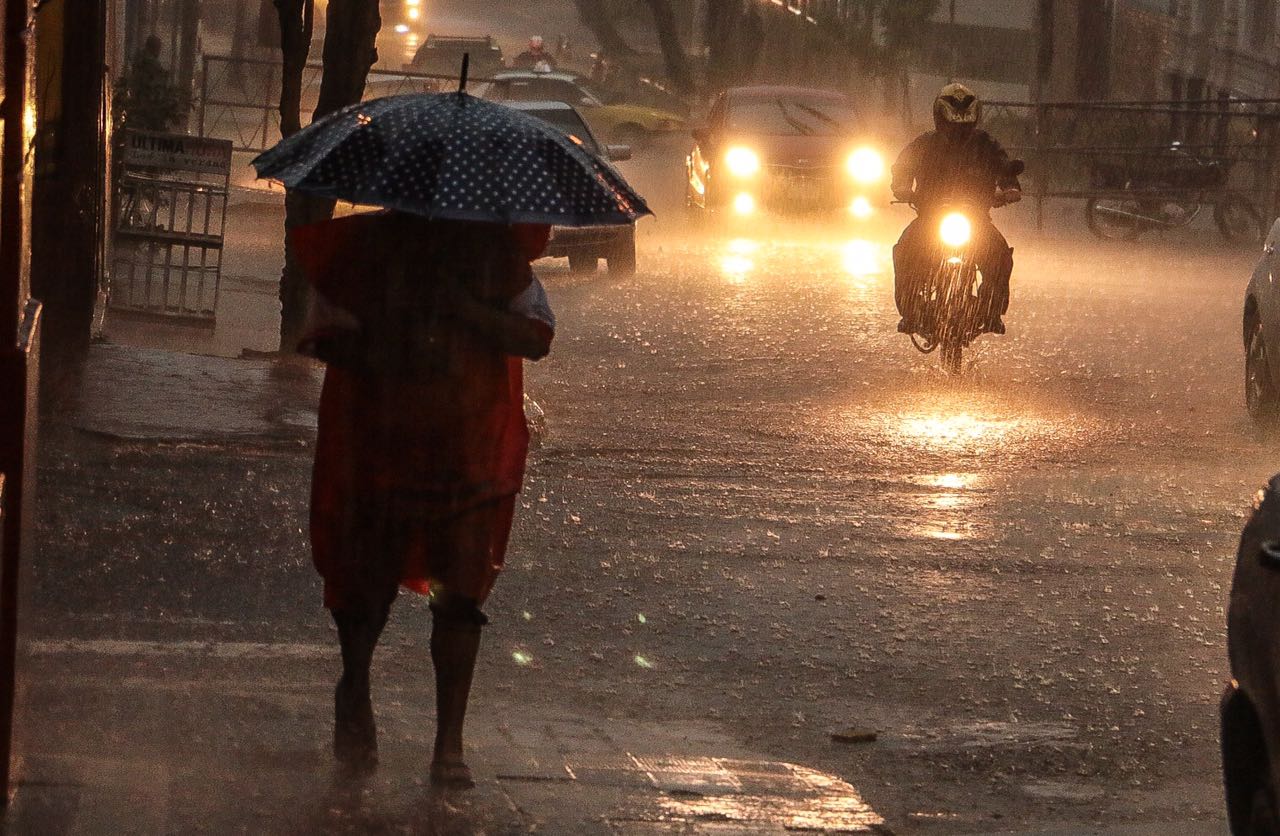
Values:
[(759, 508), (1016, 577)]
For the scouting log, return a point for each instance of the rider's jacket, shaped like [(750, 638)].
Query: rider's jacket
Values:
[(941, 169)]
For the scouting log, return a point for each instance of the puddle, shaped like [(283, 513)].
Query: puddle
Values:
[(987, 734)]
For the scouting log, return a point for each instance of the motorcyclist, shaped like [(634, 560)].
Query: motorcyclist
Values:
[(536, 57), (956, 163)]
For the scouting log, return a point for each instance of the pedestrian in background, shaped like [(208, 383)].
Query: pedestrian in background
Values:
[(422, 441)]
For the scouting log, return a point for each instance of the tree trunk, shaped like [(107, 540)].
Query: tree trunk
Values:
[(720, 41), (186, 69), (296, 21), (673, 57), (239, 39), (295, 43), (595, 16), (350, 51), (751, 43), (351, 31)]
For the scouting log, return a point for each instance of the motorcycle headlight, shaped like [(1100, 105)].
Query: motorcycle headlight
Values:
[(955, 230), (742, 162), (865, 165)]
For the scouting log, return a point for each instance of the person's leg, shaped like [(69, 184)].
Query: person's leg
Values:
[(468, 556), (995, 262), (370, 579), (455, 643), (907, 271), (355, 741)]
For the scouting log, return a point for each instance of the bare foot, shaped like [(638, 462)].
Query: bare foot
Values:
[(451, 773), (355, 738)]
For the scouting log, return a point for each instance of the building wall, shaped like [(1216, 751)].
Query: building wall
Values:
[(1164, 49), (1197, 49), (991, 48)]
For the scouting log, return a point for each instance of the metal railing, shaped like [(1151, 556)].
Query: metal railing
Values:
[(239, 98), (1087, 150)]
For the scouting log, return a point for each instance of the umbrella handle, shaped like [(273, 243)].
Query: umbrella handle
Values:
[(462, 80)]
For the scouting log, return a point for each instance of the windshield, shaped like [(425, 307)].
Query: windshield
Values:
[(570, 123), (792, 116)]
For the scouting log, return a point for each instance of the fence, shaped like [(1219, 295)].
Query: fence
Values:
[(1093, 149), (240, 97)]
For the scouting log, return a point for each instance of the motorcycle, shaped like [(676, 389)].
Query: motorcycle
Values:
[(1168, 192), (948, 309)]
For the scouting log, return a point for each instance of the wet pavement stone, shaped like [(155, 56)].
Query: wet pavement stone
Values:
[(150, 394), (236, 742)]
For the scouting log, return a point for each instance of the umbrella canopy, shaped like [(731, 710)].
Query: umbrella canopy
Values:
[(451, 155)]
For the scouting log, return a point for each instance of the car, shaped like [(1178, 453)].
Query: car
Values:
[(1262, 337), (442, 55), (609, 114), (784, 149), (378, 84), (585, 246), (1250, 707)]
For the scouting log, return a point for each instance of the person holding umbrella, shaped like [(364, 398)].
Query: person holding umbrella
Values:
[(422, 441)]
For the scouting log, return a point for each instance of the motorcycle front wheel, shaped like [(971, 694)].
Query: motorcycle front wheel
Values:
[(1238, 221), (1112, 218)]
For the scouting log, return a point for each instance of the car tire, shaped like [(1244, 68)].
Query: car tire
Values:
[(1260, 396), (583, 262), (621, 260)]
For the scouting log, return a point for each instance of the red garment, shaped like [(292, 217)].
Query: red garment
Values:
[(414, 478)]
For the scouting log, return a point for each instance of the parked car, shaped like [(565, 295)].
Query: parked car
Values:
[(585, 246), (1250, 708), (442, 55), (609, 114), (784, 148), (1262, 337)]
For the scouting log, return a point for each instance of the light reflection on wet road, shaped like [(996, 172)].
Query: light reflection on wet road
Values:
[(1016, 578), (855, 530)]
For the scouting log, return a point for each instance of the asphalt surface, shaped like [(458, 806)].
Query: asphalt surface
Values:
[(759, 508)]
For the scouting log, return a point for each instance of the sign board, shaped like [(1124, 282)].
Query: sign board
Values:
[(177, 152), (170, 218)]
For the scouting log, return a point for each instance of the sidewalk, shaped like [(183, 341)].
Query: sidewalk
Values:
[(267, 770), (156, 723), (147, 394)]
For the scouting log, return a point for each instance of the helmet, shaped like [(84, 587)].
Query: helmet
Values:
[(535, 43), (956, 105)]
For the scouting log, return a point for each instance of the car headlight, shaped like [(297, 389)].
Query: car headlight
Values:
[(955, 230), (865, 165), (742, 162)]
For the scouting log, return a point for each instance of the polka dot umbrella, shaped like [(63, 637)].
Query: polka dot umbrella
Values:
[(451, 155)]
